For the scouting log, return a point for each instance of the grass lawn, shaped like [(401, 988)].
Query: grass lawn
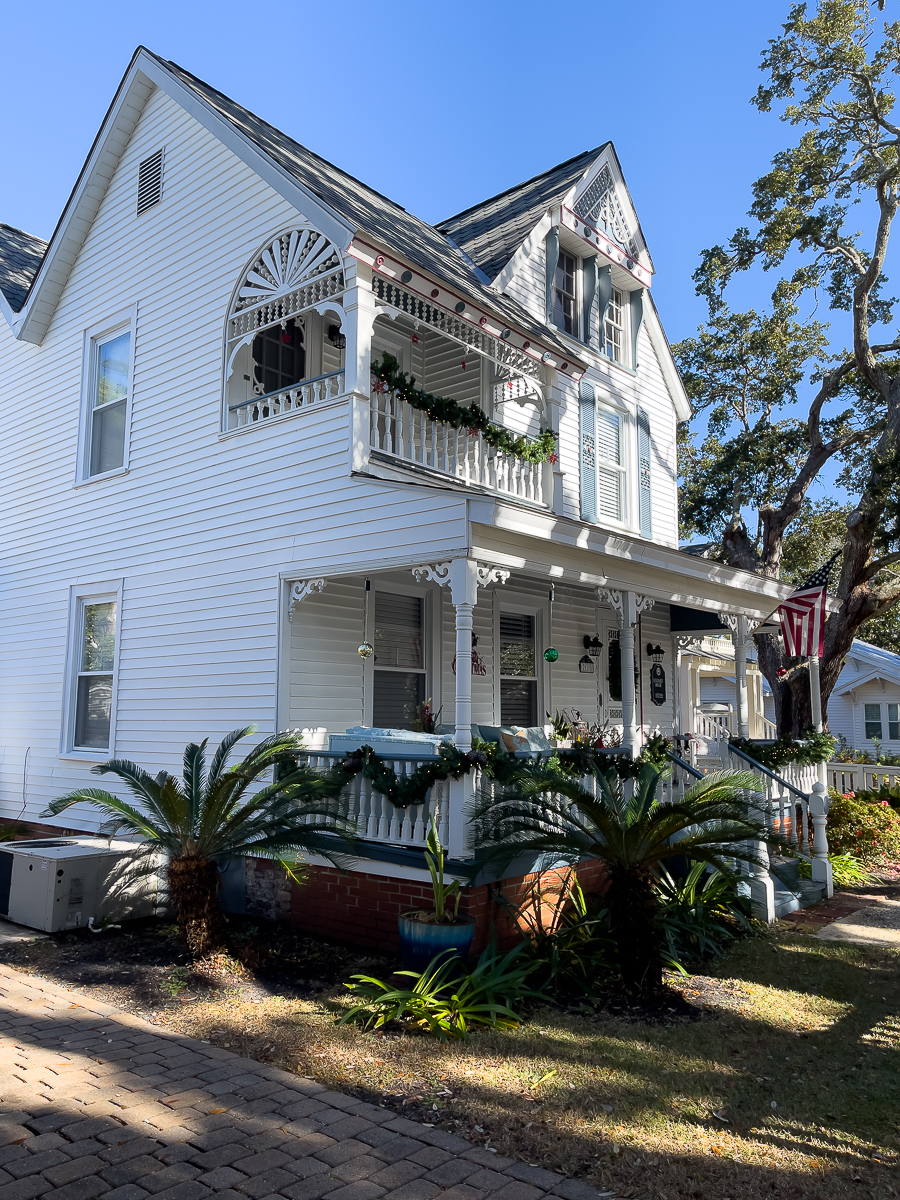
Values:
[(782, 1081)]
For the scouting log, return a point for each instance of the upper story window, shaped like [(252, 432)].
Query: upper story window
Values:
[(106, 400), (279, 357), (603, 473), (613, 334), (565, 294)]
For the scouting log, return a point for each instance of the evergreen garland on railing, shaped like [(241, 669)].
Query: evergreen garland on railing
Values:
[(390, 378), (403, 790), (813, 748)]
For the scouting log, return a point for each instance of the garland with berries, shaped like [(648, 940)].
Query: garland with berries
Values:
[(390, 378), (403, 790)]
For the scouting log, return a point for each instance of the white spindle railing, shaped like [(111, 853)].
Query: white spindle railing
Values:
[(712, 725), (292, 399), (784, 796), (860, 777), (409, 435), (768, 730)]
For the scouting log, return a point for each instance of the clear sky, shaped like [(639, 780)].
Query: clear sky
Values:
[(437, 106)]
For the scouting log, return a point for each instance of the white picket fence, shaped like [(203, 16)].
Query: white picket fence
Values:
[(860, 777)]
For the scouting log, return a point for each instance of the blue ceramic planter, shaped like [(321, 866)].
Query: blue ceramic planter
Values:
[(419, 943)]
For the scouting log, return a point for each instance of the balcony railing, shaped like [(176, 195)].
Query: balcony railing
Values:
[(406, 435), (292, 399)]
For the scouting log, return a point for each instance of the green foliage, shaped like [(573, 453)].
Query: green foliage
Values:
[(812, 748), (444, 892), (846, 870), (404, 790), (446, 999), (869, 832), (882, 795), (700, 915), (884, 630), (470, 417)]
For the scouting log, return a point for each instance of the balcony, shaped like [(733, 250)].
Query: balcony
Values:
[(291, 399)]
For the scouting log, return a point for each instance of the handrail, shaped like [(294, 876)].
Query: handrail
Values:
[(685, 766), (280, 391), (757, 766)]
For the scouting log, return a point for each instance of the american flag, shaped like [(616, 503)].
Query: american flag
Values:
[(803, 614)]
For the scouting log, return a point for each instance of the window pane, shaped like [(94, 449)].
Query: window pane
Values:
[(614, 678), (894, 722), (279, 356), (873, 720), (112, 370), (98, 646), (564, 295), (614, 326), (398, 631), (92, 711), (396, 695), (518, 702), (517, 644), (108, 438)]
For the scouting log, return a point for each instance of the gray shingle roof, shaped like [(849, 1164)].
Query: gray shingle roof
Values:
[(20, 257), (492, 231), (368, 211)]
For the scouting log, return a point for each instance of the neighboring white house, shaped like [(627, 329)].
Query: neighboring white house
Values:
[(208, 508)]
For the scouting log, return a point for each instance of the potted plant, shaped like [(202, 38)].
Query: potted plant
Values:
[(425, 933)]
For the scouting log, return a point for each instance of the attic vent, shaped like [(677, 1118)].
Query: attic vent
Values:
[(149, 182)]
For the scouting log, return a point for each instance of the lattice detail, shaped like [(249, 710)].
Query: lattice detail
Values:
[(487, 575), (451, 326), (438, 573), (729, 619), (297, 270), (599, 205)]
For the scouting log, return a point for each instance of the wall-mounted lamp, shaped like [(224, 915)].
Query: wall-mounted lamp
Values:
[(593, 645), (655, 652), (337, 338)]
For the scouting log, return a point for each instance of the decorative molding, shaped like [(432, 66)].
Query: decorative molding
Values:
[(301, 589), (286, 264), (729, 619), (488, 575), (614, 599), (599, 204), (438, 573), (752, 626), (642, 604), (685, 641)]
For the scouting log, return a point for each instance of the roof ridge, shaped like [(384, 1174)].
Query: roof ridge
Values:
[(525, 183)]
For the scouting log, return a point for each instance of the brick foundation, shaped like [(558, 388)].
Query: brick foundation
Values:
[(362, 909)]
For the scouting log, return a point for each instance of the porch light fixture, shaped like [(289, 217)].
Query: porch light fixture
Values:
[(586, 665), (336, 337), (655, 652), (593, 645)]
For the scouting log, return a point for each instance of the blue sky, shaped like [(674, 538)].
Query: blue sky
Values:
[(437, 106)]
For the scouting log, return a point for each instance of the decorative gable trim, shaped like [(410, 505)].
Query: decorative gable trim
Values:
[(596, 240)]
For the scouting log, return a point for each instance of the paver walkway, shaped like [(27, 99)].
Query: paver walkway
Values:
[(97, 1102)]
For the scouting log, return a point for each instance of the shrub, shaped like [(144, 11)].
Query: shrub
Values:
[(846, 870), (869, 832), (699, 914)]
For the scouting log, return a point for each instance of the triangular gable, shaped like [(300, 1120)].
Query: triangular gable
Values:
[(339, 205)]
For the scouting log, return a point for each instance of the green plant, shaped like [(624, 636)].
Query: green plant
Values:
[(868, 832), (847, 870), (390, 378), (403, 790), (13, 831), (700, 914), (175, 982), (813, 748), (425, 719), (554, 818), (208, 818), (443, 892), (882, 795), (445, 998)]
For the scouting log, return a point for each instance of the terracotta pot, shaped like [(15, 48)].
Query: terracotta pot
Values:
[(420, 941)]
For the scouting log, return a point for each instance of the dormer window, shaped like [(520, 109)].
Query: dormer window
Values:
[(565, 294), (613, 340)]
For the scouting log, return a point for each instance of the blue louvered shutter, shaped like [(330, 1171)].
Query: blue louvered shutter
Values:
[(588, 409), (609, 463), (646, 508)]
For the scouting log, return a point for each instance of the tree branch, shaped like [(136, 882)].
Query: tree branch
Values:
[(875, 568)]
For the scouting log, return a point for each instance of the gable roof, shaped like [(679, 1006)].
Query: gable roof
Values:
[(343, 203), (492, 231), (874, 663), (20, 256)]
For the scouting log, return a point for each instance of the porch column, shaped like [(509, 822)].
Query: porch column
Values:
[(741, 640), (464, 594), (359, 321), (627, 606)]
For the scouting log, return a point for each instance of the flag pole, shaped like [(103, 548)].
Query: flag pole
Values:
[(815, 692)]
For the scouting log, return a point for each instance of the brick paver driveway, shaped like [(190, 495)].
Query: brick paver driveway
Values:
[(96, 1102)]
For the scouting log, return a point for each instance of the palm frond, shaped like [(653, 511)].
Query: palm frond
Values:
[(125, 814), (195, 778), (223, 752)]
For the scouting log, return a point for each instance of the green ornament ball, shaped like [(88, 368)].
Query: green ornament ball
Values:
[(551, 654)]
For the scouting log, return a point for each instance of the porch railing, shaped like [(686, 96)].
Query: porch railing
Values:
[(860, 777), (292, 399), (784, 797), (408, 435), (713, 725)]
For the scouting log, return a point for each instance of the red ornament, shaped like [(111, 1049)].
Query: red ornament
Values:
[(780, 673), (554, 457), (435, 292), (483, 321), (379, 261), (379, 386), (463, 364), (415, 339), (286, 338)]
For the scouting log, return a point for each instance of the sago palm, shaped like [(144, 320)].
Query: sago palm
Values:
[(555, 819), (210, 817)]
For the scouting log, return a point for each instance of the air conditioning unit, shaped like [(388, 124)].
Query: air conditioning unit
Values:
[(62, 883)]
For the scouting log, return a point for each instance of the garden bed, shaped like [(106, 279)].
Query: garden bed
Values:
[(772, 1074)]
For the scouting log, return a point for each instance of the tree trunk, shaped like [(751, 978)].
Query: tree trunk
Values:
[(194, 886), (633, 909)]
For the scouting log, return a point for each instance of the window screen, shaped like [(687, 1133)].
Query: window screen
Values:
[(873, 720), (399, 683), (609, 460), (518, 670)]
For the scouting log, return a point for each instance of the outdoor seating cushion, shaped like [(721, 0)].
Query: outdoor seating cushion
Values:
[(447, 730), (516, 739)]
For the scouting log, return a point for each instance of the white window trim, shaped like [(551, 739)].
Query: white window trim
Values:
[(427, 595), (625, 361), (117, 323), (882, 705), (95, 593), (520, 602)]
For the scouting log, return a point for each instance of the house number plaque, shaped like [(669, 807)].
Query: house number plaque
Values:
[(657, 684)]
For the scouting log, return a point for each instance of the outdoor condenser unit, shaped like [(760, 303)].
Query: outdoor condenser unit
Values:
[(61, 883)]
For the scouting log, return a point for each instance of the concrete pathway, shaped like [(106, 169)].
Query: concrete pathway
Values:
[(876, 925), (96, 1102)]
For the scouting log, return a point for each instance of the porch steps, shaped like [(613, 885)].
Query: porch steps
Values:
[(792, 892)]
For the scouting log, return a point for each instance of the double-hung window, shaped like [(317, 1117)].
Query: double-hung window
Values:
[(613, 333), (602, 470), (873, 716), (518, 669), (93, 653), (107, 397), (399, 675), (565, 294)]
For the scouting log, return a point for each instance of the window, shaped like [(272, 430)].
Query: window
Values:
[(614, 674), (613, 339), (518, 673), (108, 362), (279, 358), (93, 651), (602, 473), (399, 677), (873, 720), (565, 296), (894, 722)]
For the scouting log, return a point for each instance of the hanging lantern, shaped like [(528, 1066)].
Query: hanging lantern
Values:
[(366, 650), (551, 654), (593, 645), (655, 652)]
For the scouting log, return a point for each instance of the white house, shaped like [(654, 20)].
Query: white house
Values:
[(208, 509)]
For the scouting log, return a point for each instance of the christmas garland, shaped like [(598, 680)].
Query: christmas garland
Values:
[(403, 790), (814, 748), (390, 378)]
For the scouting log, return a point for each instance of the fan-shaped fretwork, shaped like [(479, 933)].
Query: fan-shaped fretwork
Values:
[(599, 204), (290, 262)]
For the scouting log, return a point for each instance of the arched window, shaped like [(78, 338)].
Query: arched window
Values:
[(284, 344)]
